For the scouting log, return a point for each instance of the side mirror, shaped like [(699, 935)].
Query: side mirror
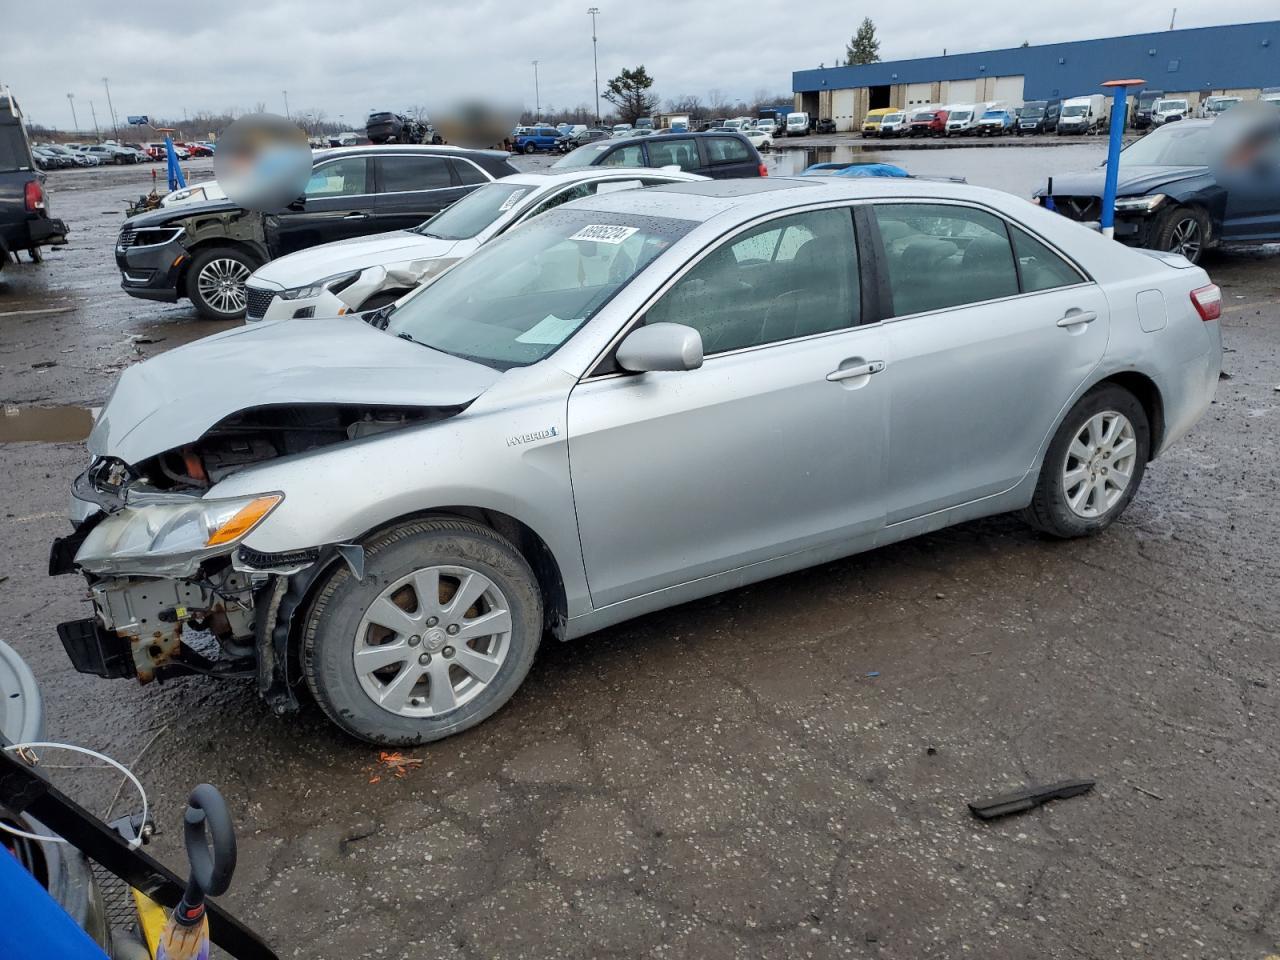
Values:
[(661, 346), (299, 205)]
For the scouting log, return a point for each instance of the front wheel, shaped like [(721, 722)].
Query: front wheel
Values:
[(215, 282), (1183, 230), (435, 638), (530, 148), (1093, 466)]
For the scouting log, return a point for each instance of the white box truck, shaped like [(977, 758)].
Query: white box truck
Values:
[(963, 118), (1083, 114)]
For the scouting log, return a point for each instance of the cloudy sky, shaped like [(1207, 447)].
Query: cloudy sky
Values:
[(346, 57)]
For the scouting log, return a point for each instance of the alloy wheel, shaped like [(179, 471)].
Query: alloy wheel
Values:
[(221, 284), (1186, 238), (432, 641), (1099, 464)]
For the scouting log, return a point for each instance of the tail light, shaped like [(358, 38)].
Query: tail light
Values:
[(764, 171), (1207, 301), (34, 196)]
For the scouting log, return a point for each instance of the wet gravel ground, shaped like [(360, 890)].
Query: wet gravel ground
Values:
[(780, 771)]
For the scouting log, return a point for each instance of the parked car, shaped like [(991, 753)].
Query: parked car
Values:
[(1170, 110), (534, 139), (25, 221), (573, 141), (349, 276), (76, 158), (715, 154), (894, 125), (621, 127), (1142, 104), (564, 432), (45, 160), (996, 123), (384, 126), (1081, 115), (825, 125), (798, 124), (1168, 197), (767, 126), (206, 251), (871, 122), (928, 123), (1039, 116), (1211, 107), (112, 153), (961, 119), (758, 138)]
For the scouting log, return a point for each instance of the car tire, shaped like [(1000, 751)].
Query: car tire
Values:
[(1183, 230), (212, 298), (439, 552), (530, 148), (1104, 439)]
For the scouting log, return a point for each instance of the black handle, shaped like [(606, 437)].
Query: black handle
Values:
[(211, 841)]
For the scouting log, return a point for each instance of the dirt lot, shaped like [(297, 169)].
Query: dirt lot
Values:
[(777, 772)]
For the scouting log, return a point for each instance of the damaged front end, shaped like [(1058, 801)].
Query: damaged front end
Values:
[(174, 589)]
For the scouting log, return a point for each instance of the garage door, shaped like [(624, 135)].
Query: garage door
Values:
[(960, 91), (1009, 90), (918, 94), (842, 107)]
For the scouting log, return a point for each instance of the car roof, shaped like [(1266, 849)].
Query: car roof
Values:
[(749, 197), (423, 148)]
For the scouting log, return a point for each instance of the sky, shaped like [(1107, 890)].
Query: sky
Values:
[(347, 57)]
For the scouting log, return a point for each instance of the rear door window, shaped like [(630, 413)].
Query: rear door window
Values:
[(941, 255), (347, 177), (726, 150), (1039, 267), (682, 153), (468, 173), (407, 174), (628, 156)]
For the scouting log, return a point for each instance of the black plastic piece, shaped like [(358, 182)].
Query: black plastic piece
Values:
[(62, 555), (1021, 800), (210, 839), (94, 651), (269, 561)]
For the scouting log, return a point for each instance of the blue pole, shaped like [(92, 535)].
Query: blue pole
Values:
[(176, 180), (31, 922), (1113, 163)]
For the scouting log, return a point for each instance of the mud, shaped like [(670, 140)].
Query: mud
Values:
[(780, 771)]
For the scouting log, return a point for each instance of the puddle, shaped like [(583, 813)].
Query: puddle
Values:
[(45, 424)]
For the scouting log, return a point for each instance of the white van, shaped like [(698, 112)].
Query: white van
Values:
[(797, 124), (1083, 114), (963, 118), (1171, 108)]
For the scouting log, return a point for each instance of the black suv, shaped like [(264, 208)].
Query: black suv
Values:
[(718, 154), (206, 251), (25, 223)]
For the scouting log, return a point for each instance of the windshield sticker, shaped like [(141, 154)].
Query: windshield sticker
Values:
[(605, 233), (511, 201), (549, 330)]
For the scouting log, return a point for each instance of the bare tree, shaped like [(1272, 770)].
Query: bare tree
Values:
[(688, 103)]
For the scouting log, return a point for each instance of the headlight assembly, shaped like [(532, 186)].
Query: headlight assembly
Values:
[(333, 284), (162, 532), (1140, 204)]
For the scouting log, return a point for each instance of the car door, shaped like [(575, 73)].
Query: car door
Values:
[(726, 157), (411, 188), (773, 447), (991, 332), (681, 152), (337, 204)]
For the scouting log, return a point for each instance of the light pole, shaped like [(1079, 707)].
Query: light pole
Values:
[(94, 113), (114, 122), (286, 104), (537, 98), (595, 11), (71, 99)]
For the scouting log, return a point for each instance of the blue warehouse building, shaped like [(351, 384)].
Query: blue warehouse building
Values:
[(1238, 60)]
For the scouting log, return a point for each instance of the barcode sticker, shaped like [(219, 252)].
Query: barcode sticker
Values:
[(512, 200), (604, 233)]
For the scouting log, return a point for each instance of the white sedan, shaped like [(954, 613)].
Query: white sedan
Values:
[(365, 273), (760, 139)]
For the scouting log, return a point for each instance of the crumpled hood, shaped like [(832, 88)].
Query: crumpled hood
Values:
[(176, 397), (1134, 180), (343, 256)]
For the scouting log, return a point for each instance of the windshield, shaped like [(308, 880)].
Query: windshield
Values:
[(479, 208), (1217, 106), (583, 156), (1171, 145), (525, 294), (1164, 106), (894, 118), (1075, 110), (925, 117), (1031, 113), (993, 115), (962, 115)]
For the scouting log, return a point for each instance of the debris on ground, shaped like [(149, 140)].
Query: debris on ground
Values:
[(1027, 798), (396, 763)]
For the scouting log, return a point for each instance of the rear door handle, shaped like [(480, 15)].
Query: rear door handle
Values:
[(1073, 317), (356, 216), (861, 370)]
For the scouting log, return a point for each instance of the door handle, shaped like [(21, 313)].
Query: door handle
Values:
[(861, 370), (1073, 317), (356, 216)]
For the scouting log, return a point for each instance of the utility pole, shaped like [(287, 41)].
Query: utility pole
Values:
[(75, 124), (595, 11), (96, 135), (537, 98), (1173, 18), (114, 122), (286, 104)]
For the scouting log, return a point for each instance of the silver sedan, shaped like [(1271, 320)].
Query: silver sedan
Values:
[(635, 400)]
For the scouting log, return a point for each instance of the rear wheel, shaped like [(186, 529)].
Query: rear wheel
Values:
[(438, 635), (530, 148), (215, 282), (1183, 230), (1094, 465)]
